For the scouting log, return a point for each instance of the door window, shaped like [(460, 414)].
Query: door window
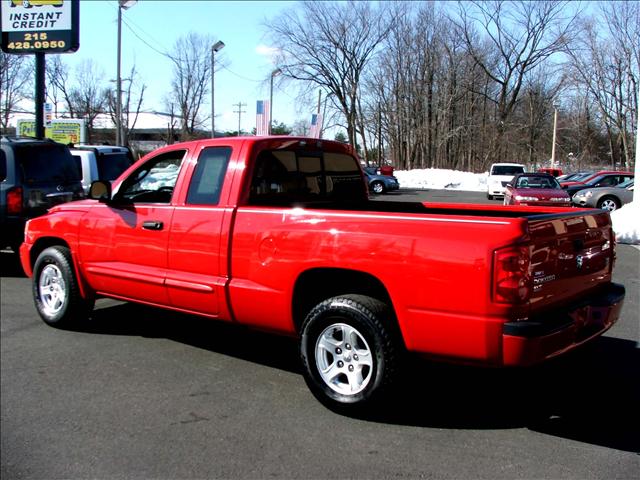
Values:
[(154, 181)]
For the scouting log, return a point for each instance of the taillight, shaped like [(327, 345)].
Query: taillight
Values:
[(14, 201), (511, 279)]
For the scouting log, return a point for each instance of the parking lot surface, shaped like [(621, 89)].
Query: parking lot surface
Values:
[(143, 393)]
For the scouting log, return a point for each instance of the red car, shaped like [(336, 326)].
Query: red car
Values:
[(594, 175), (541, 189)]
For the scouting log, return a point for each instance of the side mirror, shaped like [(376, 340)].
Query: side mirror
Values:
[(100, 190)]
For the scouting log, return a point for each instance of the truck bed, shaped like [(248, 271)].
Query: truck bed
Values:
[(474, 210)]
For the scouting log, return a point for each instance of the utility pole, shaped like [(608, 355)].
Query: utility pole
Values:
[(239, 112)]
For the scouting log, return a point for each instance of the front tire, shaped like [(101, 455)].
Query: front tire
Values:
[(55, 289), (609, 203), (349, 352), (377, 187)]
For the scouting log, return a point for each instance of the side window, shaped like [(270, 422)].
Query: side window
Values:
[(3, 166), (607, 181), (208, 176), (153, 182)]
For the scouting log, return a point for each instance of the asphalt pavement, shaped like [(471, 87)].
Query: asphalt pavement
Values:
[(141, 393)]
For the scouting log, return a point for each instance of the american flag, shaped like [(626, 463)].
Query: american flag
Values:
[(262, 118), (316, 125)]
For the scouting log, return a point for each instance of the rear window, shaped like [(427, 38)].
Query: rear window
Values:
[(285, 176), (41, 163), (111, 165), (506, 170)]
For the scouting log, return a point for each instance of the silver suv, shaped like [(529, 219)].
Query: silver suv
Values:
[(101, 162)]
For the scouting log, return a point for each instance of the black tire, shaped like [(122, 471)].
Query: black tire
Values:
[(490, 197), (367, 320), (55, 289), (609, 203)]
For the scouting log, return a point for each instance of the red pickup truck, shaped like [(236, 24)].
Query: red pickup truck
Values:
[(278, 233)]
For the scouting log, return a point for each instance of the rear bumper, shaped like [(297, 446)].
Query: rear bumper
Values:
[(535, 340)]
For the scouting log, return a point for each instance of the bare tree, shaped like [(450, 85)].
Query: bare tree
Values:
[(522, 35), (131, 105), (59, 86), (88, 99), (15, 80), (191, 79), (330, 45), (606, 62), (83, 95)]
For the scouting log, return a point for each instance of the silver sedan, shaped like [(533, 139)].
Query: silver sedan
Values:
[(607, 198)]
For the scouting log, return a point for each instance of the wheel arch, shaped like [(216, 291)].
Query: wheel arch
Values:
[(318, 284), (41, 244)]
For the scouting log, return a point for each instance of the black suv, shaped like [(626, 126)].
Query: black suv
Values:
[(34, 176)]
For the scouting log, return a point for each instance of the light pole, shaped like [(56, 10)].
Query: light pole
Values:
[(216, 47), (555, 127), (275, 73), (122, 4)]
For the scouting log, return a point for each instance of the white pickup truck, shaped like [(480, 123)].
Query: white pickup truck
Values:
[(104, 162), (499, 176)]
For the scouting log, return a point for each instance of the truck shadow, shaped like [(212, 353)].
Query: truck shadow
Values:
[(590, 395)]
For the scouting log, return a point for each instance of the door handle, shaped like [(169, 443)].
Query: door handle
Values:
[(152, 225)]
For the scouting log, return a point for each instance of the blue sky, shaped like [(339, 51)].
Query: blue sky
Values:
[(161, 22)]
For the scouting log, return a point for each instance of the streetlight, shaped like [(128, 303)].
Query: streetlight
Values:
[(275, 73), (122, 5), (216, 47)]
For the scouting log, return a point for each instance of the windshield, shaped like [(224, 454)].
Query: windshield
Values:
[(537, 182), (43, 162), (507, 170)]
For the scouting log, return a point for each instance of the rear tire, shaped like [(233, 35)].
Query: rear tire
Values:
[(55, 289), (349, 352)]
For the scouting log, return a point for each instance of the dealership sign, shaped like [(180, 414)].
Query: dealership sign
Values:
[(46, 26), (65, 130)]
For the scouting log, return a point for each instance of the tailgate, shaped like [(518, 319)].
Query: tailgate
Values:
[(571, 255)]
